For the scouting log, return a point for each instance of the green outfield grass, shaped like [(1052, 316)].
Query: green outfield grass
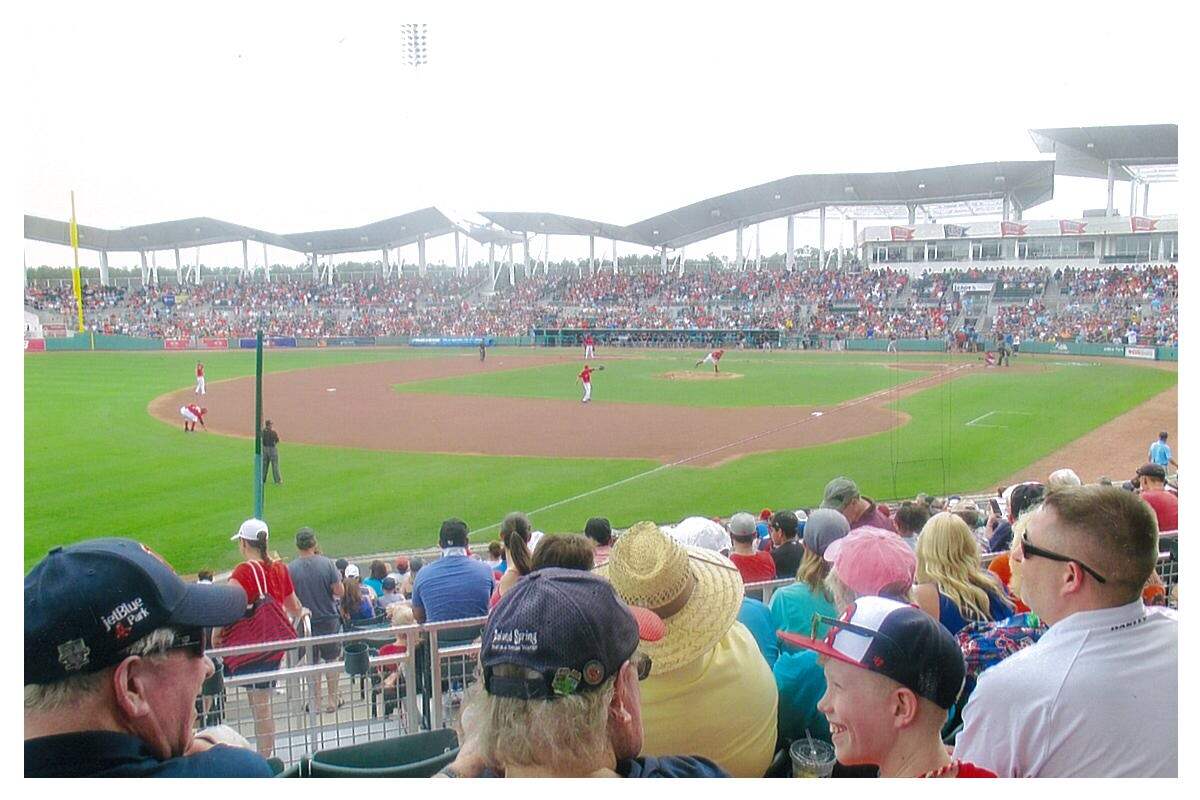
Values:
[(96, 464)]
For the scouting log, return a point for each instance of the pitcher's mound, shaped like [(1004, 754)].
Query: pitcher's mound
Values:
[(701, 375)]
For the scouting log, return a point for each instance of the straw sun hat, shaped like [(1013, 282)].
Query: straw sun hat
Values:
[(696, 592)]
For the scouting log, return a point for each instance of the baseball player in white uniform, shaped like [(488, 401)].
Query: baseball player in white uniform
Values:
[(199, 378)]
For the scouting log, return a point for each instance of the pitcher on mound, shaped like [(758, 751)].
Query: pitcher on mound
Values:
[(714, 358)]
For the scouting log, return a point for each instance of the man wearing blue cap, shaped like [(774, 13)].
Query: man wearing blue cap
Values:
[(559, 692), (114, 659)]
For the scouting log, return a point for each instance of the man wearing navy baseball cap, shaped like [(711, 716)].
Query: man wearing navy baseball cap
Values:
[(891, 673), (559, 690), (114, 659)]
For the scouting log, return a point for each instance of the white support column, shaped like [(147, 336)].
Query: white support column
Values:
[(466, 255), (614, 243), (145, 269), (421, 255), (104, 268), (912, 213), (740, 263), (316, 273), (821, 263), (790, 260), (525, 239), (1005, 209), (512, 267), (329, 271), (457, 254), (492, 262), (1132, 198), (758, 246), (682, 261), (245, 259), (154, 267), (387, 267), (546, 256), (178, 268), (591, 254), (663, 258), (1146, 200), (197, 275), (266, 264), (1112, 179)]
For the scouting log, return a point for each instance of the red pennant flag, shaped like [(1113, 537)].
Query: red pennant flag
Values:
[(1066, 226), (902, 234), (1012, 229), (1137, 224)]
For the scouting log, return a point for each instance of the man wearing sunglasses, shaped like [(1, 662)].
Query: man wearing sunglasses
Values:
[(1097, 696), (558, 692), (114, 659)]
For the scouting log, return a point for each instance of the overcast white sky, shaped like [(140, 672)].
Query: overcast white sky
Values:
[(290, 119)]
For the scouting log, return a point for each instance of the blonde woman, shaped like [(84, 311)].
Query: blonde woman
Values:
[(952, 586)]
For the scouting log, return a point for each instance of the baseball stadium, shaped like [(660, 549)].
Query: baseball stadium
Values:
[(958, 347)]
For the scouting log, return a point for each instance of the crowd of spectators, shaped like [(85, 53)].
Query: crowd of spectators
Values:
[(1128, 304), (645, 653)]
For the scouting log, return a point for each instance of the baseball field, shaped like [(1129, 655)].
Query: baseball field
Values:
[(379, 445)]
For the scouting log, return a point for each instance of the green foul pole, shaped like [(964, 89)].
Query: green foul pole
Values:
[(258, 483)]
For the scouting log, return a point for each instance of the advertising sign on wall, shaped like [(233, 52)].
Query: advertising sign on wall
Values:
[(1141, 352), (175, 344), (214, 344)]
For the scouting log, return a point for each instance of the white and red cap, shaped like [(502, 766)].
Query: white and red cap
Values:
[(896, 640)]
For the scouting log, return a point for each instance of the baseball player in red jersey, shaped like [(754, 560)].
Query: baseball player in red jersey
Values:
[(714, 358), (192, 414), (586, 377), (199, 378), (589, 346)]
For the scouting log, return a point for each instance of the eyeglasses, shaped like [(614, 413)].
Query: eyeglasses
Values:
[(190, 639), (1030, 549), (642, 663)]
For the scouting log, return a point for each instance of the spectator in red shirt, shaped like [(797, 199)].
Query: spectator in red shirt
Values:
[(755, 565), (259, 567)]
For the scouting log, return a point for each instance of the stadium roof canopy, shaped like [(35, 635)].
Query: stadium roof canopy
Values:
[(1027, 183), (1149, 153), (155, 236), (939, 191)]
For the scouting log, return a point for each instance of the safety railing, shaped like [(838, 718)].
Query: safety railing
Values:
[(763, 590)]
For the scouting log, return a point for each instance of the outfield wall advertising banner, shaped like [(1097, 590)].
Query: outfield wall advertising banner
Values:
[(35, 345), (346, 341), (450, 341), (175, 344), (1141, 352), (268, 341), (214, 344)]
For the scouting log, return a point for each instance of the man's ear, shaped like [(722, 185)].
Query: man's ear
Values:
[(622, 700), (903, 706), (129, 687)]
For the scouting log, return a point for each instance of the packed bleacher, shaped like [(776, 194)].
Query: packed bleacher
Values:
[(850, 638), (1134, 304)]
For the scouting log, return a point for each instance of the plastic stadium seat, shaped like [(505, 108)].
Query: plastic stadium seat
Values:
[(419, 755)]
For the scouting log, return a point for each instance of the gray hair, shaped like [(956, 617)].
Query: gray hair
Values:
[(75, 689), (843, 595), (558, 734)]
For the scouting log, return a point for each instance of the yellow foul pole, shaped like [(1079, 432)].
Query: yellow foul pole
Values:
[(76, 283)]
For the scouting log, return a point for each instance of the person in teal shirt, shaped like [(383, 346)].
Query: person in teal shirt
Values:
[(757, 619), (1160, 452), (801, 683), (793, 607)]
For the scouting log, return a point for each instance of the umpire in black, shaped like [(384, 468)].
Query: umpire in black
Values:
[(270, 452)]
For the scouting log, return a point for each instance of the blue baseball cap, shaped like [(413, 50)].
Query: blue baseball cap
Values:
[(568, 626), (87, 603)]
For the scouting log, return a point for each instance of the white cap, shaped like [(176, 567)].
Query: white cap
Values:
[(534, 539), (702, 532), (352, 570), (249, 530), (801, 515)]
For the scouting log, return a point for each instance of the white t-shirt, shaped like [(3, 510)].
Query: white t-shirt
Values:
[(1096, 697)]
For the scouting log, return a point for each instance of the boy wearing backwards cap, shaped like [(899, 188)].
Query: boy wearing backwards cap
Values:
[(891, 673)]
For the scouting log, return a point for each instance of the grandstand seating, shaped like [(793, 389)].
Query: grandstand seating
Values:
[(1132, 304)]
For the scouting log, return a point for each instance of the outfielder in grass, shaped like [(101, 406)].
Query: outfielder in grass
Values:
[(586, 377)]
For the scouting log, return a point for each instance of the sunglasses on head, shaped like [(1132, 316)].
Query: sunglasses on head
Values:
[(1030, 549)]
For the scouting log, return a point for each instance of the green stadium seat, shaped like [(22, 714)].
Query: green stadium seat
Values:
[(419, 755)]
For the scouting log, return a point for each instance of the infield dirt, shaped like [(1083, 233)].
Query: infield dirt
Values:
[(355, 406)]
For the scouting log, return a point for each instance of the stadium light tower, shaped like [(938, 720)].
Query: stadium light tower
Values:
[(415, 53)]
